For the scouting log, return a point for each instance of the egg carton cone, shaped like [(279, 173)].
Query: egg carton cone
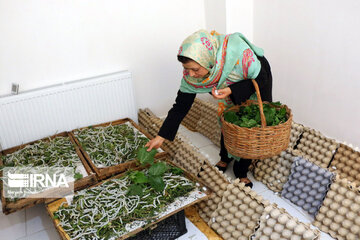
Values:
[(346, 163), (216, 137), (238, 213), (317, 148), (190, 158), (295, 133), (274, 172), (307, 185), (217, 182), (192, 117), (146, 120), (276, 223), (339, 214), (151, 123), (208, 124), (252, 167)]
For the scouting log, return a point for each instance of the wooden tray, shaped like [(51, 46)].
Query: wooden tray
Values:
[(10, 207), (54, 206), (103, 173)]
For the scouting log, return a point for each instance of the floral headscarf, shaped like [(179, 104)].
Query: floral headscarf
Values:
[(228, 58)]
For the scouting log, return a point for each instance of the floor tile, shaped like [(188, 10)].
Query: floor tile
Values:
[(193, 233), (258, 187), (182, 128), (13, 225), (211, 152), (23, 238), (37, 219), (325, 236), (197, 139), (47, 234), (229, 171)]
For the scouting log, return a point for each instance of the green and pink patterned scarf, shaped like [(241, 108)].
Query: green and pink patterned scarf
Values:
[(228, 58)]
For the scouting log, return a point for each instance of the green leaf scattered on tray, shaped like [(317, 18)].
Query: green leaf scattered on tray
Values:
[(176, 170), (78, 176), (152, 176), (139, 177), (157, 183), (135, 189), (158, 169)]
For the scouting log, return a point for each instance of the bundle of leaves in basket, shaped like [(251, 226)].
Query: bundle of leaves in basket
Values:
[(256, 129), (249, 116)]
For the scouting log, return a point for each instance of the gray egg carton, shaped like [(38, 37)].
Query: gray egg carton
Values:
[(295, 133), (274, 172), (346, 163), (217, 182), (315, 147), (307, 185), (276, 223), (339, 214), (238, 213)]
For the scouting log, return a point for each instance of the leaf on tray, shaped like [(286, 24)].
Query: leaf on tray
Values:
[(158, 169), (135, 189), (176, 170), (157, 183), (139, 177), (78, 176), (146, 157)]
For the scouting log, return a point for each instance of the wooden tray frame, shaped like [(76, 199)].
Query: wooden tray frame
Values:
[(53, 206), (23, 203), (103, 173)]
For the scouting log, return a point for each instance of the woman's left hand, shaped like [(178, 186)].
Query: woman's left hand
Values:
[(221, 93)]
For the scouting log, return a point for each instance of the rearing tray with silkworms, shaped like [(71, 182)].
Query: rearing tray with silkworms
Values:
[(110, 148), (108, 211), (59, 150)]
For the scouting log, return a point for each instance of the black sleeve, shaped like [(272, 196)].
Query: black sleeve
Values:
[(241, 91), (176, 114)]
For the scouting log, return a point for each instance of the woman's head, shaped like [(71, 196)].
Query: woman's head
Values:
[(193, 68), (197, 53)]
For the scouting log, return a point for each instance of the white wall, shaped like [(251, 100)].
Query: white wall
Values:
[(215, 15), (239, 17), (313, 48), (48, 42)]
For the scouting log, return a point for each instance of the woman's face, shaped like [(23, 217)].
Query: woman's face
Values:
[(195, 70)]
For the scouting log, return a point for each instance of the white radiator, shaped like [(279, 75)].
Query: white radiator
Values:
[(40, 113)]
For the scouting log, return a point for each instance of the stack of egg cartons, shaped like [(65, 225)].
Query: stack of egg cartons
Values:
[(193, 116), (208, 125)]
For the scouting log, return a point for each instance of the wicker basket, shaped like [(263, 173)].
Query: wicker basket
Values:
[(257, 142)]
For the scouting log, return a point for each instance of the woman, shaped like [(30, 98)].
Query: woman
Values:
[(222, 65)]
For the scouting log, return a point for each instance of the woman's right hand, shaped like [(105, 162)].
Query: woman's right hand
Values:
[(155, 143)]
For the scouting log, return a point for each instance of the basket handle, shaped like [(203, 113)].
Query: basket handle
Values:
[(262, 116)]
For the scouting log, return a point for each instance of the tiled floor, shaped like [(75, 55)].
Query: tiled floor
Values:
[(34, 223)]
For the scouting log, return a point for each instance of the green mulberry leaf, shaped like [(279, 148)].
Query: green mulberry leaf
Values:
[(158, 169), (157, 183), (146, 157)]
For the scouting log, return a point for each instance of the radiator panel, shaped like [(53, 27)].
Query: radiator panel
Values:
[(40, 113)]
